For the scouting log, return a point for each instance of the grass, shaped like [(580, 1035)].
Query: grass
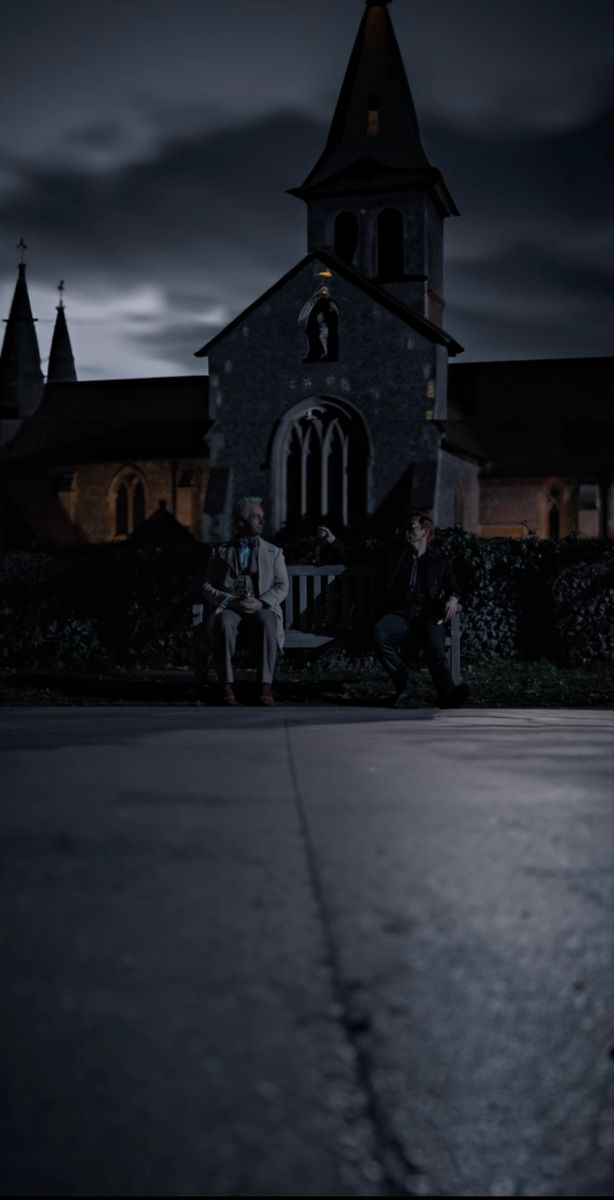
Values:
[(329, 678), (500, 683)]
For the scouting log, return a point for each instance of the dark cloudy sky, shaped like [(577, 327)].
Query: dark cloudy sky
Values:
[(146, 147)]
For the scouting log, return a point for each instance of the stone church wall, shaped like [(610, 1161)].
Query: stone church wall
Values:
[(257, 373), (457, 475), (90, 503), (510, 508)]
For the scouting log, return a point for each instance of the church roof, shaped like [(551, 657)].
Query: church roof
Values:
[(20, 364), (537, 418), (374, 138), (32, 513), (61, 366), (382, 297), (117, 418)]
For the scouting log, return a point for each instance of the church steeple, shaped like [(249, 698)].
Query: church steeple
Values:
[(21, 378), (373, 195), (61, 366), (375, 116)]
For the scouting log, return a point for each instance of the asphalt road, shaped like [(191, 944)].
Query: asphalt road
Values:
[(306, 951)]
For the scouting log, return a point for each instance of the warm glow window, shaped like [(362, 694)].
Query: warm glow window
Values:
[(373, 116), (128, 505)]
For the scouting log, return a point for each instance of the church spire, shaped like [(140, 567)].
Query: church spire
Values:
[(375, 116), (21, 378), (61, 366)]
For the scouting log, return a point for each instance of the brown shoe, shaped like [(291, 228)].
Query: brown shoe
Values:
[(228, 697), (266, 695)]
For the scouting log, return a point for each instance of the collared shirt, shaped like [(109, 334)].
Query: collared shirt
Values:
[(246, 548), (410, 589)]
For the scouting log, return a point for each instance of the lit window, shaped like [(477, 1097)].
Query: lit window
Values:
[(128, 498), (373, 116)]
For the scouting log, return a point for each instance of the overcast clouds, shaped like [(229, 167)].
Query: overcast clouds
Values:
[(147, 146)]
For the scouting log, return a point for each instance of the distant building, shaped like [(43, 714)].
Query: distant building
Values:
[(332, 396)]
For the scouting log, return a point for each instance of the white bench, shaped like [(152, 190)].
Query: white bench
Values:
[(334, 597)]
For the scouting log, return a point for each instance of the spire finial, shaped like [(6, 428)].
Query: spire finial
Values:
[(61, 290), (21, 246)]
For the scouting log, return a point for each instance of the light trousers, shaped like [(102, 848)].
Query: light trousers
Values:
[(262, 627)]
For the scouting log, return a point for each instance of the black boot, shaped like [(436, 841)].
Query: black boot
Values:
[(453, 697)]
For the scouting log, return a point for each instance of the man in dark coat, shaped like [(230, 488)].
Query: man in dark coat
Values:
[(420, 593)]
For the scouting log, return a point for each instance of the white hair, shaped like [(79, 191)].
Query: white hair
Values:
[(242, 506)]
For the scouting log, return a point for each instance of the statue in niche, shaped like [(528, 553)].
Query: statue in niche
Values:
[(321, 317)]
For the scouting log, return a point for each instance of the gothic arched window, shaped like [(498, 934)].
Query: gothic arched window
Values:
[(554, 513), (138, 505), (346, 236), (121, 511), (390, 244), (325, 460), (128, 502)]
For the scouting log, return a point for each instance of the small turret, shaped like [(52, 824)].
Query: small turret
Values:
[(21, 378), (61, 367)]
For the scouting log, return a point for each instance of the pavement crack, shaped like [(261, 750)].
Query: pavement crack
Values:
[(400, 1176)]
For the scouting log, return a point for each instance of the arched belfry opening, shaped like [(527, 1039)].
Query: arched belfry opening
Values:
[(320, 319), (321, 467), (390, 265), (346, 236)]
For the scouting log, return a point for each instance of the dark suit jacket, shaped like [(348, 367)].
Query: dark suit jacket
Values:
[(439, 578)]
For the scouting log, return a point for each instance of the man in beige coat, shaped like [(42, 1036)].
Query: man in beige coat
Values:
[(246, 581)]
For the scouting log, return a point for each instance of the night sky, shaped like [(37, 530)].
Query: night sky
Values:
[(147, 145)]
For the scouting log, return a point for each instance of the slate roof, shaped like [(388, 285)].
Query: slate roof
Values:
[(379, 294), (537, 418), (116, 418)]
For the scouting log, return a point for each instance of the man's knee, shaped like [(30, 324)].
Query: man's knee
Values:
[(225, 621), (266, 617), (379, 631), (387, 633)]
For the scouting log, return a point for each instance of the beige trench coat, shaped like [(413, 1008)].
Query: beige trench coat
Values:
[(223, 569)]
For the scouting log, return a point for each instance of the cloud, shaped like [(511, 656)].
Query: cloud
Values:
[(157, 252)]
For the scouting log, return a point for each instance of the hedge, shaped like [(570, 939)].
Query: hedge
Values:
[(101, 607)]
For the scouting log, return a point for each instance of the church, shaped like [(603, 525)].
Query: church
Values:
[(336, 396)]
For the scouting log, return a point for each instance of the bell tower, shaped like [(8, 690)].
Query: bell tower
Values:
[(373, 196)]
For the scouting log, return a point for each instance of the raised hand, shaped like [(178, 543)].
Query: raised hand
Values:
[(325, 533)]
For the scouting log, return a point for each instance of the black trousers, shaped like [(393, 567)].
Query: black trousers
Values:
[(395, 628)]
